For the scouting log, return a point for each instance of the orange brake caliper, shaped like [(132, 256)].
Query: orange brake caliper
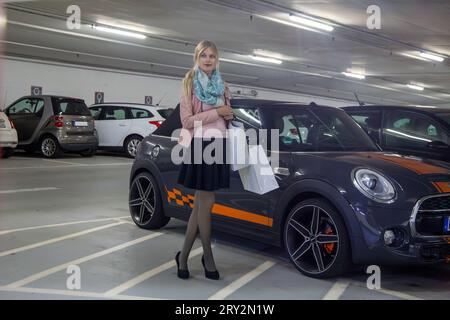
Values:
[(329, 246)]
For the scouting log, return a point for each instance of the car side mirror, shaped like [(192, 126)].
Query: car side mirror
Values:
[(438, 145)]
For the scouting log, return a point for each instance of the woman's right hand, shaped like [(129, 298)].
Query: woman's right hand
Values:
[(225, 112)]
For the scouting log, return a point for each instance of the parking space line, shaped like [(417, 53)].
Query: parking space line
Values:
[(78, 261), (146, 275), (59, 161), (50, 241), (75, 293), (242, 281), (337, 290), (28, 190), (59, 225), (72, 166), (393, 293)]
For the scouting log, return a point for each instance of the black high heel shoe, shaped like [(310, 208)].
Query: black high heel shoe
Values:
[(214, 275), (182, 274)]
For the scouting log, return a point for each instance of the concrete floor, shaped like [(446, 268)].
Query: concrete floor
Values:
[(74, 211)]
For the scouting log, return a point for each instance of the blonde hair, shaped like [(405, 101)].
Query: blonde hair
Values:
[(199, 49)]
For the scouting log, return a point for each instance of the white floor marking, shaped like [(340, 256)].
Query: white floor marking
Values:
[(242, 281), (146, 275), (337, 290), (64, 162), (74, 293), (58, 225), (28, 190), (393, 293), (79, 261), (71, 166), (50, 241)]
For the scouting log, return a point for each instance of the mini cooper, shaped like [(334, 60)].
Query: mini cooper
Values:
[(341, 200)]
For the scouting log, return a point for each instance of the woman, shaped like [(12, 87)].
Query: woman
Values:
[(205, 99)]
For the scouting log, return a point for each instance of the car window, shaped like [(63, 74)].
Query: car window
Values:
[(115, 113), (165, 113), (369, 120), (70, 107), (95, 112), (172, 123), (405, 129), (319, 130), (140, 113), (27, 106)]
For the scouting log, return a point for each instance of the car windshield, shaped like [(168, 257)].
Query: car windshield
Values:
[(70, 107), (444, 116), (319, 129)]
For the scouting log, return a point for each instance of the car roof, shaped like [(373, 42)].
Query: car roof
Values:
[(50, 96), (260, 103), (391, 107), (127, 104)]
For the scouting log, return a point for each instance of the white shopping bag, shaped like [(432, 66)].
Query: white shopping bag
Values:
[(238, 147), (258, 177)]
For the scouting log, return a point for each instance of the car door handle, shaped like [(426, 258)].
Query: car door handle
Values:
[(281, 171)]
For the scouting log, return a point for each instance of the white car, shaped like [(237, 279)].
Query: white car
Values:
[(8, 136), (124, 125)]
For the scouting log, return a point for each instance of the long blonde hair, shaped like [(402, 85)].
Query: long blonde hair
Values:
[(199, 49)]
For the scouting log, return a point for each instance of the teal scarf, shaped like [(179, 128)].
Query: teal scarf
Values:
[(209, 90)]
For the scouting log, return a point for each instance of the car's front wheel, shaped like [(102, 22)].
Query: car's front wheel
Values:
[(50, 147), (131, 145), (145, 202), (316, 239)]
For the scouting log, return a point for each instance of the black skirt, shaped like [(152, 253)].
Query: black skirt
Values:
[(205, 170)]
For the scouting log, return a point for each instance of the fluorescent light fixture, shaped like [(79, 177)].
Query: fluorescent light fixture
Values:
[(311, 23), (431, 56), (415, 87), (120, 32), (269, 54), (354, 75), (414, 56), (265, 59)]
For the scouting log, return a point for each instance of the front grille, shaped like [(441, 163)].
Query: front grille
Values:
[(431, 215)]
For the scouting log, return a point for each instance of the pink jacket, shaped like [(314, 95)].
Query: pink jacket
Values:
[(191, 111)]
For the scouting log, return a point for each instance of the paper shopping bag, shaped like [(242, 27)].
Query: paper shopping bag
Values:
[(258, 177), (238, 147)]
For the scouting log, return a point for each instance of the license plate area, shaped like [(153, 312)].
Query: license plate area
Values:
[(79, 123), (447, 224)]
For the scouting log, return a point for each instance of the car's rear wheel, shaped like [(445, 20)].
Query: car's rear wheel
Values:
[(6, 152), (145, 202), (316, 239), (131, 145), (50, 147)]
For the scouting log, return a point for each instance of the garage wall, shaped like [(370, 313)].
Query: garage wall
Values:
[(82, 82)]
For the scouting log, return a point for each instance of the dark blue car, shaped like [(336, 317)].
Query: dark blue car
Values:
[(340, 201)]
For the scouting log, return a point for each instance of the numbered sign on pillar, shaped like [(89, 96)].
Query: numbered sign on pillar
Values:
[(99, 97), (36, 91), (148, 100)]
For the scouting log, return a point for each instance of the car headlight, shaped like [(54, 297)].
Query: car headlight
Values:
[(374, 185)]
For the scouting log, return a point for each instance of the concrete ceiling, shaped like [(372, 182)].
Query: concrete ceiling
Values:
[(313, 62)]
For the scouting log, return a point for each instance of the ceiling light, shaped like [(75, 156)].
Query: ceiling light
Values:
[(120, 32), (414, 56), (354, 75), (270, 54), (415, 87), (265, 59), (431, 56), (311, 23)]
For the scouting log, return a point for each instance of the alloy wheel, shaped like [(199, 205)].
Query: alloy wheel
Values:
[(132, 146), (312, 239), (48, 147), (142, 200)]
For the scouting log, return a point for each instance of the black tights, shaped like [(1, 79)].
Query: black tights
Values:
[(200, 221)]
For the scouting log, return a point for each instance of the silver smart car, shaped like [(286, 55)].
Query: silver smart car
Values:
[(53, 124)]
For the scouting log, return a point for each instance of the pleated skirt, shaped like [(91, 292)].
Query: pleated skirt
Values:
[(207, 171)]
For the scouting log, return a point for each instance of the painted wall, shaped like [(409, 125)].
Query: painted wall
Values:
[(83, 81)]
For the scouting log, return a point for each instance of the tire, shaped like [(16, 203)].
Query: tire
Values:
[(131, 145), (146, 204), (6, 152), (324, 256), (89, 153), (49, 147)]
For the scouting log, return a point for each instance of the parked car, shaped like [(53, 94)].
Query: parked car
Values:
[(418, 131), (122, 126), (340, 200), (53, 124), (8, 136)]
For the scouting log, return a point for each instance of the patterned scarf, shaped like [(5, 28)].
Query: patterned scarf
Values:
[(209, 91)]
